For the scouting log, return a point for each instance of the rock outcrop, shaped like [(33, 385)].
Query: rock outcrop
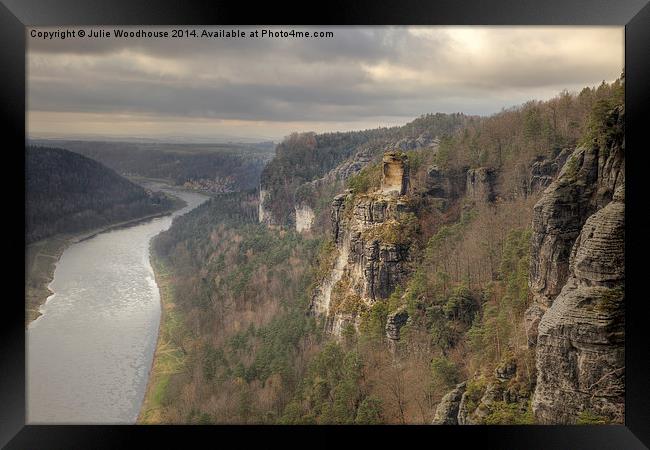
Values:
[(586, 183), (577, 278), (482, 400), (480, 184), (445, 184), (447, 410), (544, 170), (394, 323), (372, 249), (262, 214), (414, 143), (304, 217), (580, 346), (351, 166), (395, 173)]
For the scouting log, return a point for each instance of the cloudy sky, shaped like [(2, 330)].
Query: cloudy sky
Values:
[(265, 88)]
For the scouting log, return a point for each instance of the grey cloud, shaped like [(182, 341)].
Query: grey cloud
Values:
[(359, 74), (226, 101), (349, 43)]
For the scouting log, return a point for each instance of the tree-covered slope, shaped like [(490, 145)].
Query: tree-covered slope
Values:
[(446, 341), (210, 167), (69, 193)]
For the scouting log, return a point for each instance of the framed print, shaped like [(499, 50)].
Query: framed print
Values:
[(373, 222)]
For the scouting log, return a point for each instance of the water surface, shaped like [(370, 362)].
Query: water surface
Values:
[(89, 354)]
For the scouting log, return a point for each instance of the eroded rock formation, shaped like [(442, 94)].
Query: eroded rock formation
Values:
[(544, 170), (480, 184), (372, 253), (577, 278), (395, 173), (394, 323), (447, 410), (445, 184), (304, 217), (262, 214), (586, 183), (476, 401), (580, 346)]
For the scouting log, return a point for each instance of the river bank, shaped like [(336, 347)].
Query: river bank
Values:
[(168, 357), (42, 257)]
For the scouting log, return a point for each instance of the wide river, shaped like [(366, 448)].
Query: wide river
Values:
[(89, 354)]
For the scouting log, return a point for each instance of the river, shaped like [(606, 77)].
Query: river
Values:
[(89, 354)]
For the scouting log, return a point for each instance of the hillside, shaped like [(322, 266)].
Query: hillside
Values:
[(467, 270), (214, 168), (69, 193)]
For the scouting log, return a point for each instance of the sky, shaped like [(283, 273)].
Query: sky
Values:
[(201, 89)]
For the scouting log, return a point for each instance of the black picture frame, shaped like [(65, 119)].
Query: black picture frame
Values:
[(15, 15)]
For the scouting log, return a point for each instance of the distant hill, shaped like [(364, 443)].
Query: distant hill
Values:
[(69, 193), (210, 167)]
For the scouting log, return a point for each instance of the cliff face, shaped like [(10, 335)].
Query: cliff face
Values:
[(262, 214), (480, 184), (304, 217), (575, 325), (580, 347), (577, 278), (586, 183), (543, 171), (445, 184), (372, 249)]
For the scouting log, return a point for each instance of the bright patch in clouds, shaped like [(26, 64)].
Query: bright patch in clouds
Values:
[(363, 77)]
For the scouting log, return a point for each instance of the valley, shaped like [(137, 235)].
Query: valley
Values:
[(64, 208), (207, 168), (90, 349), (373, 225), (450, 271)]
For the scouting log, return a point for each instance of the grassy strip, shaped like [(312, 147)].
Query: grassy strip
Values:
[(168, 358)]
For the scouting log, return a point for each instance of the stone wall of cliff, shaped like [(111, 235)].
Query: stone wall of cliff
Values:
[(577, 278), (575, 324), (372, 249)]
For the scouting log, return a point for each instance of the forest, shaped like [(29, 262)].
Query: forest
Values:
[(69, 193), (250, 351), (220, 167)]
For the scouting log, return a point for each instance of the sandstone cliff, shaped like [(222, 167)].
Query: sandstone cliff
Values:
[(577, 278), (304, 217), (371, 233), (325, 159), (480, 184), (575, 324), (544, 170)]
